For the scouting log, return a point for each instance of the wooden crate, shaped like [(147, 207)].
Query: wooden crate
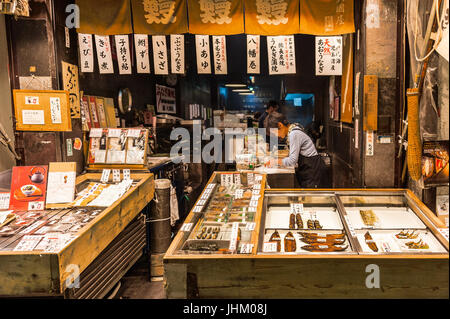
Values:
[(45, 274)]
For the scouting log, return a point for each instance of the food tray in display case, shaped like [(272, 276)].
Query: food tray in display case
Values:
[(224, 218)]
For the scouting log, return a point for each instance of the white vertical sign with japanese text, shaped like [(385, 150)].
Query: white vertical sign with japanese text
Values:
[(160, 54), (329, 55), (281, 54), (369, 143), (220, 54), (104, 58), (177, 53), (253, 54), (142, 53), (123, 54), (203, 56), (86, 52)]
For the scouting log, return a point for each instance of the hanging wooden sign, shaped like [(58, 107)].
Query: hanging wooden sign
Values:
[(104, 57), (177, 53), (329, 55), (203, 55), (370, 103), (253, 54), (142, 53), (86, 52), (160, 59), (281, 54), (71, 85), (220, 54), (123, 54)]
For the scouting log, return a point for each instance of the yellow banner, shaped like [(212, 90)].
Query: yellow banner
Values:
[(326, 17), (272, 17), (105, 17), (159, 17), (216, 17)]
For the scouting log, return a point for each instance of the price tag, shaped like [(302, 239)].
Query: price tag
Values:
[(297, 208), (252, 209), (386, 247), (250, 179), (126, 174), (254, 203), (256, 192), (237, 179), (133, 133), (116, 175), (105, 175), (250, 226), (444, 232), (201, 202), (270, 247), (255, 197), (211, 186), (234, 236), (246, 248), (96, 132), (350, 226), (238, 193), (197, 209), (114, 132), (186, 227), (257, 186), (205, 196), (4, 201), (226, 180)]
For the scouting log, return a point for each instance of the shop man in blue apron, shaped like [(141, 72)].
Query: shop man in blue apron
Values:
[(310, 166)]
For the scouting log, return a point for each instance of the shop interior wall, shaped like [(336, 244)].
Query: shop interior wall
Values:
[(6, 158)]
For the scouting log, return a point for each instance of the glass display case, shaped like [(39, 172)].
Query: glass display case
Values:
[(224, 218), (296, 222)]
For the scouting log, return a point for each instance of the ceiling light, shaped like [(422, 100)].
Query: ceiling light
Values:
[(242, 90), (248, 93), (235, 85)]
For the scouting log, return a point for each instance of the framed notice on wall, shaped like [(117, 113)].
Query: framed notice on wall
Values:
[(165, 99), (42, 110)]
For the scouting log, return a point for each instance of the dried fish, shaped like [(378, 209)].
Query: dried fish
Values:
[(275, 238), (370, 242), (323, 240), (292, 221), (289, 243), (368, 216), (299, 221), (323, 248), (327, 236), (310, 224)]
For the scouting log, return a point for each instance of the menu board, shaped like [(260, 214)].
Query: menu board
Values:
[(42, 110)]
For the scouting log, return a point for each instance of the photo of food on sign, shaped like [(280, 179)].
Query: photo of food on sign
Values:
[(435, 162), (28, 187)]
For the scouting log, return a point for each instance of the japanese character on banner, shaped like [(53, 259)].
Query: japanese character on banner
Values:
[(215, 11), (272, 12), (159, 11), (253, 54), (123, 54), (160, 54), (104, 57), (203, 55), (177, 53), (281, 54), (220, 54), (86, 52), (142, 53), (329, 55)]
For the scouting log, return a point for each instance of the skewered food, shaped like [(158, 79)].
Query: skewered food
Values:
[(317, 224), (275, 238), (407, 235), (289, 243), (310, 224), (323, 248), (419, 245), (368, 216), (299, 221), (292, 221), (370, 242)]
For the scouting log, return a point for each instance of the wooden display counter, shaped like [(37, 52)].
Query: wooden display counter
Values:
[(38, 273), (302, 274)]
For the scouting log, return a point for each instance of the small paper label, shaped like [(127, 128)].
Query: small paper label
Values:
[(126, 174), (116, 175), (246, 248), (237, 179), (444, 232), (105, 175), (250, 226), (233, 237), (186, 227), (238, 193), (96, 132), (133, 133), (35, 205), (55, 110), (350, 227), (4, 201), (114, 132), (33, 117), (226, 180), (197, 209), (270, 247)]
